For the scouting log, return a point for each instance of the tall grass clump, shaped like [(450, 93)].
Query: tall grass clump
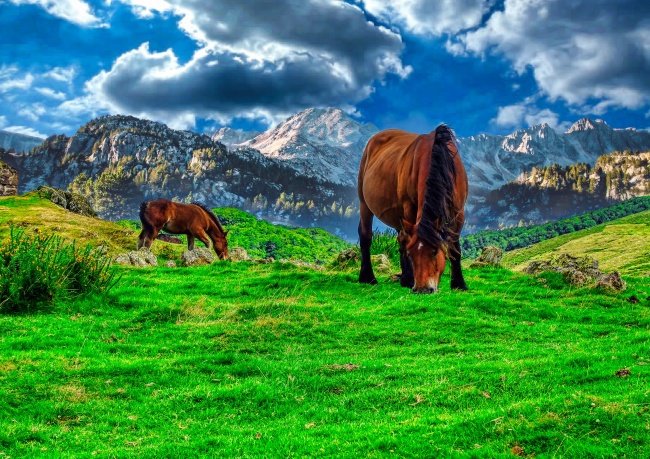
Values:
[(385, 242), (38, 270)]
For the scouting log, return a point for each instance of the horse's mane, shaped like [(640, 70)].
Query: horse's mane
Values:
[(211, 214), (439, 195)]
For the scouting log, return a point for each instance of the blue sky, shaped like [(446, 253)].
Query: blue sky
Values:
[(481, 66)]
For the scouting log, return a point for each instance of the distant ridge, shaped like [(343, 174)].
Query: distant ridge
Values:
[(18, 142)]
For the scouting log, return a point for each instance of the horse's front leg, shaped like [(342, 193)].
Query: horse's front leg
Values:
[(457, 279), (366, 276), (190, 241)]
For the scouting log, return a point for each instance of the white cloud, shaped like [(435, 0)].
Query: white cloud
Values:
[(25, 131), (430, 18), (528, 114), (62, 74), (18, 83), (33, 112), (75, 11), (3, 121), (51, 93), (591, 53)]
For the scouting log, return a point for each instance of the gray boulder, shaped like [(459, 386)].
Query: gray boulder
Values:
[(198, 257), (142, 258), (490, 257), (238, 254)]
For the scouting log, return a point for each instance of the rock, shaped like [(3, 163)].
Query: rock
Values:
[(198, 257), (8, 180), (170, 264), (575, 277), (303, 264), (347, 258), (490, 257), (141, 258), (265, 261), (73, 202), (612, 282), (381, 263), (578, 271), (238, 254)]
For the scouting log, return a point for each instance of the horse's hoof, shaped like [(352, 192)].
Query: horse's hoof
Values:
[(372, 281)]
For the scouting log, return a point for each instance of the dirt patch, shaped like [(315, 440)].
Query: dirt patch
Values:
[(623, 373), (344, 367)]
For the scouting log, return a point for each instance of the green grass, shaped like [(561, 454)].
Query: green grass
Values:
[(241, 360), (622, 245), (247, 360)]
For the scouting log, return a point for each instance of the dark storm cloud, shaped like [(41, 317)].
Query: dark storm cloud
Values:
[(272, 56), (585, 52)]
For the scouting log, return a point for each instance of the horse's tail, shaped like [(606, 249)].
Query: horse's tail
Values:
[(439, 209), (211, 214), (146, 224)]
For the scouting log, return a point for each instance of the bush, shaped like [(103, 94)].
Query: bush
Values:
[(38, 270)]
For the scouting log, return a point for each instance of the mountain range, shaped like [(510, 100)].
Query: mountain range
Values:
[(18, 142), (302, 171)]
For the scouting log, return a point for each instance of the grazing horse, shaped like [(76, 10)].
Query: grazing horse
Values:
[(193, 220), (416, 184)]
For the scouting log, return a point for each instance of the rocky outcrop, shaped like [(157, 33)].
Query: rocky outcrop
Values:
[(142, 258), (238, 254), (197, 257), (578, 271), (70, 201), (8, 180), (490, 257)]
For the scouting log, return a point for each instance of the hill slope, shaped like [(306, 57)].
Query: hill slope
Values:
[(260, 238), (622, 245)]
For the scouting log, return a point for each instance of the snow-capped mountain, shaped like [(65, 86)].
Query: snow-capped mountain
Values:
[(18, 142), (231, 137), (492, 161), (321, 143)]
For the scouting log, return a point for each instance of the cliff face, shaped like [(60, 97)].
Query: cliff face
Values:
[(8, 180)]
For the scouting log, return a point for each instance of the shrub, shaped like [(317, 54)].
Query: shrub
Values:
[(38, 270)]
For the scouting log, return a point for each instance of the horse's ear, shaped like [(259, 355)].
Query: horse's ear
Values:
[(408, 227), (225, 233)]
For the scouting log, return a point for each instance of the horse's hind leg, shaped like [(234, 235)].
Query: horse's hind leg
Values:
[(366, 276), (190, 241), (406, 278), (146, 238)]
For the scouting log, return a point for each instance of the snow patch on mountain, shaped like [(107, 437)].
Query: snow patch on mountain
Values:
[(322, 143)]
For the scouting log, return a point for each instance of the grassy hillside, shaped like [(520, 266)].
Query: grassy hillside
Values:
[(622, 245), (260, 238), (247, 360)]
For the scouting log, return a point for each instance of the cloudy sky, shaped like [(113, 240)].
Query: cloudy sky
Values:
[(481, 66)]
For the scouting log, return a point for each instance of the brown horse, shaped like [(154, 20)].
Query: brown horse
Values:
[(193, 220), (416, 184)]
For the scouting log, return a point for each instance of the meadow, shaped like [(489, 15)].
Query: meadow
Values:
[(274, 360)]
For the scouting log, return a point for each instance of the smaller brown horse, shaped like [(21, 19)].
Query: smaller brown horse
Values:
[(193, 220)]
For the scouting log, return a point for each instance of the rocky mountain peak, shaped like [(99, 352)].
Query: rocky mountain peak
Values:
[(586, 124)]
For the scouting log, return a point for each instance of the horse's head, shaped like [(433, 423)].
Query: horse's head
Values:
[(428, 260), (221, 246)]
